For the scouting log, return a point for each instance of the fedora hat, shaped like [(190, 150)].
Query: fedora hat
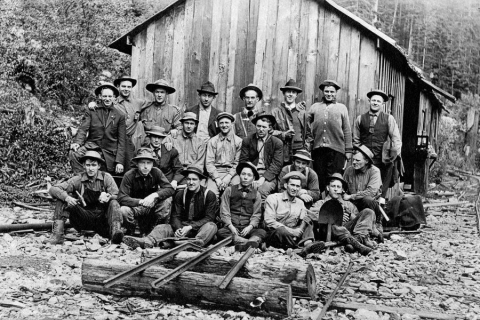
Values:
[(107, 85), (264, 115), (225, 115), (189, 116), (303, 154), (365, 151), (117, 81), (196, 170), (93, 155), (250, 165), (207, 87), (145, 154), (253, 87), (328, 83), (338, 176), (157, 131), (162, 84), (291, 85), (294, 174), (378, 92)]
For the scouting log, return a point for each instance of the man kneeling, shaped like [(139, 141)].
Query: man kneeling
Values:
[(89, 201), (193, 216), (240, 210)]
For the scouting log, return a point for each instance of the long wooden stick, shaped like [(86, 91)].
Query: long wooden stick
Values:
[(240, 263), (24, 205), (444, 204)]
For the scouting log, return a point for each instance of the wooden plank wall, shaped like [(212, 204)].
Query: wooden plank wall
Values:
[(236, 42)]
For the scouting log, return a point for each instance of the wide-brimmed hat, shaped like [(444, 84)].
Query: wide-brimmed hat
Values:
[(250, 165), (117, 81), (163, 84), (294, 174), (225, 115), (303, 154), (145, 154), (338, 176), (107, 85), (264, 115), (196, 170), (328, 83), (189, 116), (157, 131), (366, 152), (291, 85), (207, 87), (93, 155), (378, 93), (253, 87)]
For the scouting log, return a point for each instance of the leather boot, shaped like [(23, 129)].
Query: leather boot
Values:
[(363, 250), (58, 233), (135, 243), (116, 232), (366, 241)]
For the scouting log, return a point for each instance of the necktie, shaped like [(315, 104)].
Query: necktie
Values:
[(191, 208), (372, 123)]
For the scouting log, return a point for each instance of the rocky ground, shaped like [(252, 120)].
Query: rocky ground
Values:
[(436, 271)]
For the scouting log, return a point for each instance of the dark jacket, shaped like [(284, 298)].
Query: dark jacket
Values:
[(205, 209), (107, 133), (212, 125), (169, 163), (273, 154)]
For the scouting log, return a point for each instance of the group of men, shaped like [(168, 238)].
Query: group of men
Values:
[(201, 174)]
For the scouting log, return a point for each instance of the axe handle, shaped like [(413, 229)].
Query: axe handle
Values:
[(383, 212)]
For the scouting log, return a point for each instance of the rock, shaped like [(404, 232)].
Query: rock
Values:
[(17, 209), (400, 255), (368, 288), (396, 237), (407, 316), (363, 314), (8, 238), (400, 292)]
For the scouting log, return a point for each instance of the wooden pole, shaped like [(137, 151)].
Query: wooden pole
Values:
[(240, 263)]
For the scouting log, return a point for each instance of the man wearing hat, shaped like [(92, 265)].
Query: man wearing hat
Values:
[(166, 160), (145, 194), (265, 152), (250, 95), (159, 112), (379, 132), (240, 210), (89, 201), (223, 154), (206, 113), (301, 163), (292, 127), (332, 135), (102, 129), (190, 147), (286, 218), (193, 217)]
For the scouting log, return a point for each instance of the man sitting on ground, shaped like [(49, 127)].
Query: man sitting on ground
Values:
[(240, 210), (193, 217), (145, 194), (89, 200)]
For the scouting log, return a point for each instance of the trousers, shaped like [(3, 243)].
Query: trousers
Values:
[(362, 225), (205, 234), (147, 218), (281, 238), (327, 162), (222, 172)]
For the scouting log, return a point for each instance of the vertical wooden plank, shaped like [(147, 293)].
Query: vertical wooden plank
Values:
[(232, 47), (302, 50), (142, 36), (168, 45), (178, 57), (241, 49), (270, 57), (135, 67), (332, 38), (206, 19), (254, 8), (343, 63), (322, 52), (353, 78), (294, 40), (368, 57), (193, 50), (158, 47), (213, 72), (149, 60), (261, 43), (313, 49), (223, 65)]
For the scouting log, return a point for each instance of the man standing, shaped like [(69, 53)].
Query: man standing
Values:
[(223, 154), (193, 216), (286, 218), (89, 201), (240, 210), (206, 114), (332, 136), (309, 193), (101, 129), (265, 152), (374, 129), (291, 127), (159, 112), (250, 95), (145, 194)]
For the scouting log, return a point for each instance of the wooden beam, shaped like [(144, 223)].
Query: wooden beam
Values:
[(445, 204), (236, 268)]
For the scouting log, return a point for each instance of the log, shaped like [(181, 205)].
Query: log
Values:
[(444, 204), (190, 287), (24, 205), (27, 226)]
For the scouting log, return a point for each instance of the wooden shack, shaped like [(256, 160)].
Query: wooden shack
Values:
[(236, 42)]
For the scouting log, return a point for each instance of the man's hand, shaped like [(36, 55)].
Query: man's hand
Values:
[(233, 230), (174, 184), (295, 232), (348, 155), (168, 146), (258, 183), (219, 184), (180, 233), (74, 146), (306, 197), (301, 105), (71, 201), (289, 134), (149, 201), (246, 230), (347, 197), (174, 133), (104, 197), (226, 180), (92, 106), (119, 168)]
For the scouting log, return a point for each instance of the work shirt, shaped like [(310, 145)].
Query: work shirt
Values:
[(350, 211), (243, 124), (102, 182), (309, 186), (203, 117), (223, 151), (363, 183), (330, 126), (166, 116), (261, 152), (280, 211), (205, 208), (237, 211), (131, 107), (168, 162), (191, 149)]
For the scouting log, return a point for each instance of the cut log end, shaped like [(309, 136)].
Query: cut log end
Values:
[(312, 282)]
